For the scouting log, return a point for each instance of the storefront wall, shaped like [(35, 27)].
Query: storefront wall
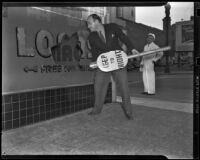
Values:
[(52, 90)]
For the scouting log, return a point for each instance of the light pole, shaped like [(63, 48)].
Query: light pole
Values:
[(166, 28)]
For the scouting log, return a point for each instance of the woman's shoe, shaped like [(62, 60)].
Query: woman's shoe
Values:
[(144, 93), (151, 94)]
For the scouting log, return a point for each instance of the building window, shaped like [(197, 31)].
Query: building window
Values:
[(101, 11)]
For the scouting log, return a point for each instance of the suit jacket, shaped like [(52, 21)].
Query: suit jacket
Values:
[(112, 34)]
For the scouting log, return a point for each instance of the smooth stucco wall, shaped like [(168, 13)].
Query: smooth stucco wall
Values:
[(14, 78)]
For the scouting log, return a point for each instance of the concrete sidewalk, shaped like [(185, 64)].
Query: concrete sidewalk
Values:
[(153, 131), (176, 88), (162, 104), (137, 75), (162, 125)]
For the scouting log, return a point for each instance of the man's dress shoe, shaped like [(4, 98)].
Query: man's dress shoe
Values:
[(129, 115), (94, 113)]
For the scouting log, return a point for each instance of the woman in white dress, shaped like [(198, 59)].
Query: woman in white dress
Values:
[(147, 65)]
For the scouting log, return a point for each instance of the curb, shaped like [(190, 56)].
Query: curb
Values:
[(172, 73)]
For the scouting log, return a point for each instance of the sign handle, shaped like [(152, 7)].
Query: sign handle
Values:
[(94, 64), (149, 52)]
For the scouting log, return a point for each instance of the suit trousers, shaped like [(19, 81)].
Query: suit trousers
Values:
[(101, 81)]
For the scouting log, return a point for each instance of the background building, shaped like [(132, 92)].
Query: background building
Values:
[(183, 42)]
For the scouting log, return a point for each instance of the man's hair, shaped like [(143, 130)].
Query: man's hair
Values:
[(95, 17)]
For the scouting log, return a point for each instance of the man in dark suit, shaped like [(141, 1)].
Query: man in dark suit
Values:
[(104, 38)]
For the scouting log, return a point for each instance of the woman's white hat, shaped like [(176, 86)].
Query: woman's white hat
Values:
[(153, 35)]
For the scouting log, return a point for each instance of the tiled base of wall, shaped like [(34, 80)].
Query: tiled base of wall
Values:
[(22, 109)]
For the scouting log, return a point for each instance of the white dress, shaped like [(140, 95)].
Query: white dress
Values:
[(148, 74)]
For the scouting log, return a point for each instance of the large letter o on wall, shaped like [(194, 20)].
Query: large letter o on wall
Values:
[(44, 37)]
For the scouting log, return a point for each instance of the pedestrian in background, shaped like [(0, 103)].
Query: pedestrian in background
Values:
[(147, 65)]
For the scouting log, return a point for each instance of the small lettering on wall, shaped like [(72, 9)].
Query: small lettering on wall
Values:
[(56, 68)]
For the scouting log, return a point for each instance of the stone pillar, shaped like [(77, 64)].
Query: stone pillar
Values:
[(167, 30)]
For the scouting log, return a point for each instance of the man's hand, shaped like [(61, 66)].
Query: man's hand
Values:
[(134, 51)]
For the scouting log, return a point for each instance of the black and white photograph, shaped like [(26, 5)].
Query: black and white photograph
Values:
[(98, 79)]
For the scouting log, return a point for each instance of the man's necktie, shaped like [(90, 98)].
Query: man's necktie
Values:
[(101, 36)]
